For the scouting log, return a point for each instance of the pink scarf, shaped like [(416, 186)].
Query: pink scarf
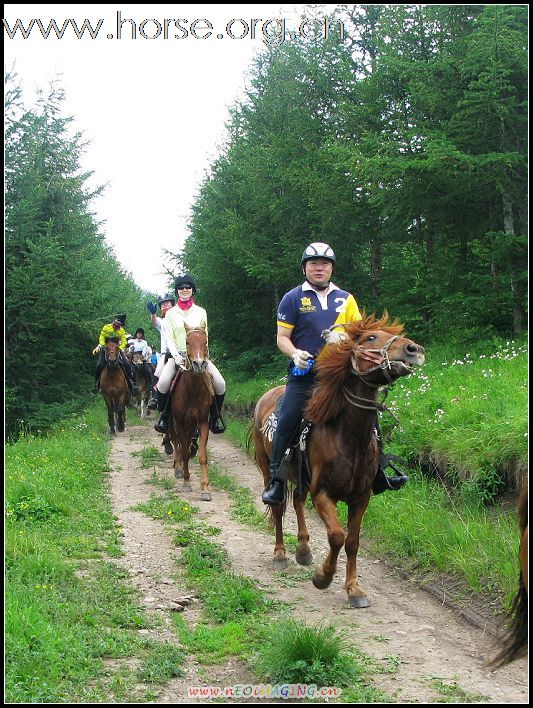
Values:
[(185, 304)]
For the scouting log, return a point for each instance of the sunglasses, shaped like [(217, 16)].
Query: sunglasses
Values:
[(185, 287)]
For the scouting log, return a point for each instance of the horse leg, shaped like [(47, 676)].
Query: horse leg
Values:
[(121, 414), (279, 560), (110, 416), (356, 595), (175, 447), (303, 552), (203, 429), (181, 452), (327, 510)]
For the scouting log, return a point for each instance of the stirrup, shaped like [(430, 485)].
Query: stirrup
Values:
[(274, 494)]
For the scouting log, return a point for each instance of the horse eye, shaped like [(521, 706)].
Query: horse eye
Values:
[(371, 338)]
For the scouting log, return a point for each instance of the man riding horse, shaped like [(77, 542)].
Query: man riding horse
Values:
[(116, 330), (303, 314)]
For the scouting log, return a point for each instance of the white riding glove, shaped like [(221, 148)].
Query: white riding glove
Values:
[(97, 349), (300, 358), (333, 336), (179, 360)]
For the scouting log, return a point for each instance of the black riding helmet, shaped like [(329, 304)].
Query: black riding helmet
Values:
[(184, 280), (139, 329), (169, 297), (121, 318), (318, 250)]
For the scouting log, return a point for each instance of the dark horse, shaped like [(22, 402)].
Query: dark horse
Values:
[(114, 387), (342, 452), (190, 403), (143, 387), (515, 643)]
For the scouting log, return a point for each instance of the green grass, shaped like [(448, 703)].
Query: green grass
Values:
[(424, 525), (68, 608), (213, 645), (149, 456), (451, 692), (316, 656), (167, 507), (464, 415)]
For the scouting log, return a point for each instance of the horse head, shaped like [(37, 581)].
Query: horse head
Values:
[(373, 353), (112, 352), (137, 359), (381, 354), (197, 351)]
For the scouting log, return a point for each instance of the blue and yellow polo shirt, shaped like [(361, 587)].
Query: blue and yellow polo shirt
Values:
[(307, 313)]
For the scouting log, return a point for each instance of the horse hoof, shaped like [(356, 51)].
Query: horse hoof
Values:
[(306, 559), (178, 474), (169, 449), (359, 602), (321, 582), (280, 563), (186, 488), (205, 496)]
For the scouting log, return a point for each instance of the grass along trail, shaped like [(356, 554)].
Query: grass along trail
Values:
[(424, 651)]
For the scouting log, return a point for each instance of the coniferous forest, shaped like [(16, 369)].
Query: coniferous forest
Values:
[(403, 145)]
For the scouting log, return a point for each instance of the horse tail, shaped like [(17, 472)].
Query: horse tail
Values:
[(515, 642), (248, 443)]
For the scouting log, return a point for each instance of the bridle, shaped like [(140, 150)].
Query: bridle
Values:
[(380, 358), (112, 363), (187, 358)]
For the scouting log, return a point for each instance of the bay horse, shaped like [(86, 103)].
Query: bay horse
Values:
[(341, 452), (515, 642), (114, 387), (143, 387), (190, 403)]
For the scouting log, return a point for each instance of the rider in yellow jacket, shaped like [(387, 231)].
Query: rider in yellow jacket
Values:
[(116, 330)]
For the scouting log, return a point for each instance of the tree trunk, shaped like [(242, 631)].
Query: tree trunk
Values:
[(519, 314)]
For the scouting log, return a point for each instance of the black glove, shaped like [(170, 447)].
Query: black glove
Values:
[(152, 307)]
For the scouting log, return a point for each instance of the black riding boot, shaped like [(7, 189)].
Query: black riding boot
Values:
[(383, 482), (162, 406), (279, 471), (216, 423)]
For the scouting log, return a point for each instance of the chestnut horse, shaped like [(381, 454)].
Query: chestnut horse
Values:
[(342, 452), (114, 387), (515, 642), (190, 403)]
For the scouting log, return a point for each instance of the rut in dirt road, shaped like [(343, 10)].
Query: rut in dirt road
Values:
[(404, 626)]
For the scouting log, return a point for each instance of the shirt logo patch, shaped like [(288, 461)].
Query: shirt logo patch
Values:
[(307, 305)]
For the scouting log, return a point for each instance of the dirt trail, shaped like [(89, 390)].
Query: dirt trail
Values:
[(404, 625)]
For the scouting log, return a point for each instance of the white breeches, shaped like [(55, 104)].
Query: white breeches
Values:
[(169, 369)]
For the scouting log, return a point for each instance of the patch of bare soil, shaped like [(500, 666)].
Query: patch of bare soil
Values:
[(405, 625)]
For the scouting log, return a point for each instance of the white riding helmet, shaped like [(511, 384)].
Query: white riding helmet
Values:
[(318, 250)]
